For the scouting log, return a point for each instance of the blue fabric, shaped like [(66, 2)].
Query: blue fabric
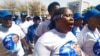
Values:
[(96, 47), (90, 13), (31, 33), (4, 13), (74, 29), (67, 50), (78, 16), (98, 7), (8, 42)]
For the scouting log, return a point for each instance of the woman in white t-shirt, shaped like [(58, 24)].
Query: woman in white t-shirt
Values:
[(59, 41), (89, 37)]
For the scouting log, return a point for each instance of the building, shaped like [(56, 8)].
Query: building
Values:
[(79, 5)]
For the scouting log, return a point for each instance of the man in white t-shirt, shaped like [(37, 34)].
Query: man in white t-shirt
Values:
[(78, 21), (89, 37), (43, 27), (11, 36), (24, 24)]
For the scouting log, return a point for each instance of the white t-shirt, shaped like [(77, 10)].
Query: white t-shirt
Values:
[(24, 26), (42, 28), (31, 22), (5, 33), (54, 43), (87, 40)]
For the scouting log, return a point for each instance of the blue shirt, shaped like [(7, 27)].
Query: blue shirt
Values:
[(31, 32)]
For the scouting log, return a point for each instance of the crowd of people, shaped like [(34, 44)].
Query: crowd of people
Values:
[(63, 33)]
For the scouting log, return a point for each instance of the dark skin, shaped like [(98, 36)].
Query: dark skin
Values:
[(0, 21), (98, 22), (23, 18), (66, 22), (7, 23), (29, 18), (37, 22), (51, 14), (92, 23), (53, 10), (78, 22)]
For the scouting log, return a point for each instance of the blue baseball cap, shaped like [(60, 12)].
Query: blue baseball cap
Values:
[(36, 18), (98, 7), (24, 14), (91, 13), (4, 13), (77, 16)]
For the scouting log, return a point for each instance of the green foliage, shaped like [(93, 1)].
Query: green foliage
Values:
[(36, 8)]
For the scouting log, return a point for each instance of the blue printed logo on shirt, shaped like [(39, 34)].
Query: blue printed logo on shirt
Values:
[(96, 48), (67, 50), (10, 40)]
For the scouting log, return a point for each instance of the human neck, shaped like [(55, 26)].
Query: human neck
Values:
[(91, 27), (6, 26), (61, 30)]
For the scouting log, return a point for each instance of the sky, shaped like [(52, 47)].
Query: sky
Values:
[(63, 3)]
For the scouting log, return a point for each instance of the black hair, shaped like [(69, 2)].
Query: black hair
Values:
[(23, 14), (53, 4), (36, 18), (58, 12)]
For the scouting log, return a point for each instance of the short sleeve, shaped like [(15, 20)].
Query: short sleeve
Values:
[(22, 35), (39, 30), (42, 28), (41, 50)]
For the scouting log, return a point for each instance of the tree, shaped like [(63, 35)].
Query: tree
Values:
[(33, 7), (9, 4), (36, 8), (22, 8)]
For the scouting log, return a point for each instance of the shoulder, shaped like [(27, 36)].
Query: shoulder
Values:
[(71, 36), (47, 36), (84, 31), (45, 23), (30, 26), (16, 26)]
